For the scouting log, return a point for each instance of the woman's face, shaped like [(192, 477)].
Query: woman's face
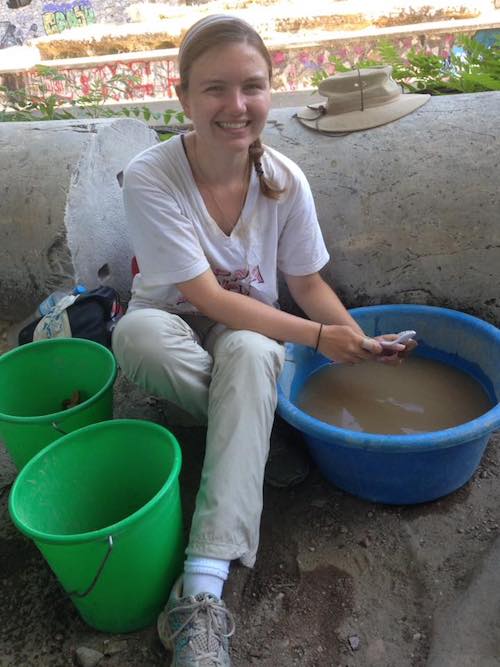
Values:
[(228, 97)]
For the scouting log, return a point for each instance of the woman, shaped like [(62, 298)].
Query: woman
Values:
[(213, 216)]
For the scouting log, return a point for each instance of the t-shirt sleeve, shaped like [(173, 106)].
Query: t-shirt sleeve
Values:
[(165, 243), (301, 247)]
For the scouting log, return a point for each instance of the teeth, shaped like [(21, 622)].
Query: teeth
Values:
[(233, 126)]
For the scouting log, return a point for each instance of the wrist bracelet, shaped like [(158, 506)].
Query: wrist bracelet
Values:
[(319, 337)]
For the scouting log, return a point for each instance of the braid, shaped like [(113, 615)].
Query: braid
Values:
[(256, 152), (268, 189)]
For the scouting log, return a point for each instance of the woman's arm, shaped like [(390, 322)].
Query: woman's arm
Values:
[(318, 300), (340, 341)]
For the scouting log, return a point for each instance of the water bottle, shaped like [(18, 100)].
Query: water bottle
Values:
[(42, 309), (54, 298), (48, 303)]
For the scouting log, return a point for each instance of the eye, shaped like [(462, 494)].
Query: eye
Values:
[(254, 87), (214, 89)]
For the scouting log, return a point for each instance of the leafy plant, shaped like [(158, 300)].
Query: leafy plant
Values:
[(472, 68), (21, 105), (166, 116)]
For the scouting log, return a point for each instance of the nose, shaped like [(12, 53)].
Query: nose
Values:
[(237, 101)]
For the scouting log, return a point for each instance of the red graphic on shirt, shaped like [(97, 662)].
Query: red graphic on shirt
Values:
[(239, 280), (235, 281)]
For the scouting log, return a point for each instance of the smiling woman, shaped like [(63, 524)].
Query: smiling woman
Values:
[(228, 91), (213, 215), (227, 96)]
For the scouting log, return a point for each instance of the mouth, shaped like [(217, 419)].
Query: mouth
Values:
[(240, 125)]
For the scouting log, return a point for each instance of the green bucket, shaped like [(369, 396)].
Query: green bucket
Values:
[(35, 382), (103, 506)]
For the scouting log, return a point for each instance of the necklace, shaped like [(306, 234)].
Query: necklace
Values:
[(228, 224)]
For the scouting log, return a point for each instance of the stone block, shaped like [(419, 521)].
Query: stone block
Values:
[(61, 212)]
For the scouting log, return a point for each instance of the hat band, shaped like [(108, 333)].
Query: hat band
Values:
[(336, 105)]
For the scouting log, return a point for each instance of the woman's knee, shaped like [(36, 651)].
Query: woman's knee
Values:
[(144, 334), (252, 348)]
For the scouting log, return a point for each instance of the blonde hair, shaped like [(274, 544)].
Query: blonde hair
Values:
[(217, 30)]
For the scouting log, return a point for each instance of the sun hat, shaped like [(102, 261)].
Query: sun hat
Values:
[(359, 99)]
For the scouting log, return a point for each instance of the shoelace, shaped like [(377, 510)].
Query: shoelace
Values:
[(214, 612)]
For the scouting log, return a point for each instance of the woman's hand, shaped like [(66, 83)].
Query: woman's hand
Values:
[(395, 354), (341, 343)]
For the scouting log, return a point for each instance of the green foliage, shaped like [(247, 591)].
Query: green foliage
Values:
[(21, 105), (475, 70)]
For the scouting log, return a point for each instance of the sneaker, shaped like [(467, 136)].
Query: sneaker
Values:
[(288, 463), (196, 629)]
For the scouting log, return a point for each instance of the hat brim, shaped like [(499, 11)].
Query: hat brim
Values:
[(353, 121)]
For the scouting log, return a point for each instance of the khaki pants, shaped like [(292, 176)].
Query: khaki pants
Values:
[(226, 379)]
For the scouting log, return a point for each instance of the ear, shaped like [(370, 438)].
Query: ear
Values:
[(183, 99)]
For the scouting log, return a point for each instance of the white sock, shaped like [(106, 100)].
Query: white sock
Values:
[(204, 575)]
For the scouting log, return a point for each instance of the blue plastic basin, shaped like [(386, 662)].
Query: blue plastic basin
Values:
[(403, 469)]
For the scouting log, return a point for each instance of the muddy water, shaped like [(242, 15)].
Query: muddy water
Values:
[(418, 396)]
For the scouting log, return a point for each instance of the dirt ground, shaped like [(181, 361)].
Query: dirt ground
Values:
[(339, 582)]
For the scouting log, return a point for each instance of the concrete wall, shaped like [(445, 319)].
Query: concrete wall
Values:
[(61, 211), (410, 211)]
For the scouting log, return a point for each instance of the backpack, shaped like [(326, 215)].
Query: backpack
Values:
[(92, 315)]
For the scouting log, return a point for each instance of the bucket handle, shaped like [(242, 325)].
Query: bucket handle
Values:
[(94, 581), (58, 428)]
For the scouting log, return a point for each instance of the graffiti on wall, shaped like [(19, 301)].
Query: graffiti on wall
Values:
[(294, 69), (61, 16), (8, 35), (152, 79), (56, 17), (17, 4), (12, 35)]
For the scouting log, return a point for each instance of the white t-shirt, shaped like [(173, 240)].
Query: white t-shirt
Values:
[(175, 238)]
